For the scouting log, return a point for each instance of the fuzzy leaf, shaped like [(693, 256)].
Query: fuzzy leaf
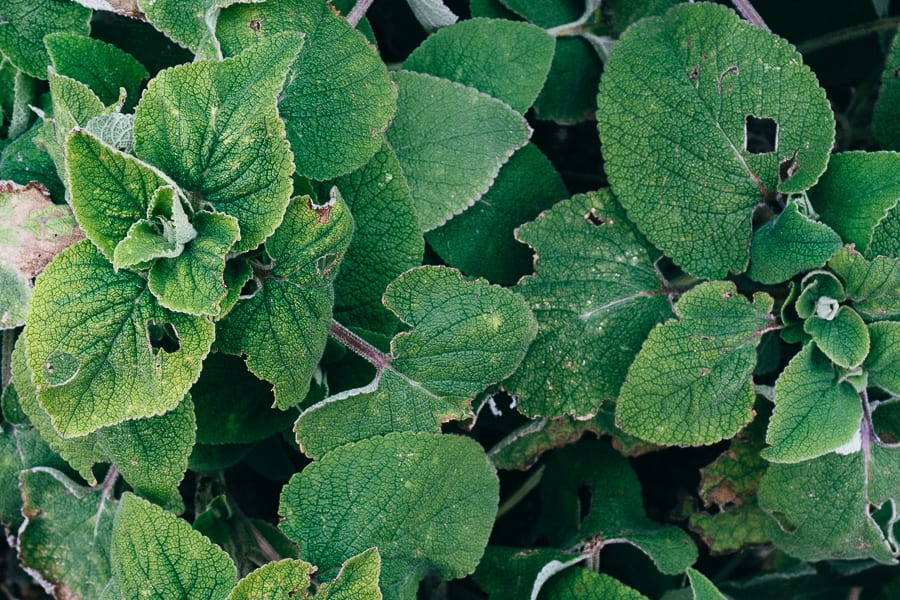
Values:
[(814, 412), (214, 129), (338, 99), (596, 296), (282, 329), (449, 154), (843, 338), (24, 160), (67, 533), (872, 285), (516, 573), (587, 585), (703, 588), (883, 362), (191, 23), (463, 337), (884, 122), (415, 530), (24, 23), (672, 114), (432, 14), (504, 59), (80, 378), (157, 556)]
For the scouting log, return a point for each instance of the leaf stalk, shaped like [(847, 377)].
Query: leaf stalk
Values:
[(352, 341), (358, 11)]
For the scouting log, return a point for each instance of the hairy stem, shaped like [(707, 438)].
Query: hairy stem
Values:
[(748, 12), (850, 33), (356, 13), (359, 345)]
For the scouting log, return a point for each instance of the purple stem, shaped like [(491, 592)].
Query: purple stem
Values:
[(359, 9), (748, 12), (359, 345)]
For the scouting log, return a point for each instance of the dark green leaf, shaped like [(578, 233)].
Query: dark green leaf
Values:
[(24, 23), (883, 362)]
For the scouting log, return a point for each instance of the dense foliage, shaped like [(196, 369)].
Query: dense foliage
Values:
[(298, 304)]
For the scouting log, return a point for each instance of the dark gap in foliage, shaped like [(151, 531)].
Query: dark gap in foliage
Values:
[(163, 337), (760, 135)]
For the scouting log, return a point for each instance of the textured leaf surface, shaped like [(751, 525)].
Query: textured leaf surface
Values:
[(414, 529), (338, 100), (73, 104), (588, 585), (872, 285), (451, 141), (67, 533), (214, 129), (282, 329), (387, 241), (24, 161), (884, 122), (463, 337), (690, 384), (94, 345), (616, 513), (843, 338), (596, 296), (504, 59), (710, 179), (155, 555), (856, 192), (512, 573), (24, 23), (432, 14), (20, 449), (883, 362), (703, 588), (101, 66), (814, 412), (191, 23), (480, 242)]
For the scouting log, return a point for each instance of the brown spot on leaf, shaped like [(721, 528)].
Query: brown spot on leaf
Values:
[(594, 219), (256, 24), (788, 168)]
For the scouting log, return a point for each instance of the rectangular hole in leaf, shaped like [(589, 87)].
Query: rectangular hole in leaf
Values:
[(760, 135), (163, 336)]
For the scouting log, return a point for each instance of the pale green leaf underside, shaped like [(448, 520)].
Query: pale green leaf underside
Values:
[(675, 97), (690, 384), (464, 336), (414, 529), (93, 363), (338, 100), (814, 413), (596, 296), (451, 141), (157, 556), (24, 23), (505, 59), (214, 129)]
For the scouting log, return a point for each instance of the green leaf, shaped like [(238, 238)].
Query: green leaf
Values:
[(387, 241), (815, 413), (504, 59), (884, 122), (616, 513), (32, 231), (190, 23), (790, 244), (157, 556), (856, 192), (883, 362), (214, 129), (480, 241), (703, 588), (80, 378), (24, 23), (152, 454), (25, 91), (691, 382), (67, 533), (193, 282), (101, 66), (821, 507), (23, 161), (821, 294), (596, 296), (448, 155), (464, 336), (872, 285), (842, 336), (358, 578), (283, 327), (432, 14), (587, 585), (338, 100), (516, 573), (415, 530), (672, 114), (144, 243), (110, 192), (569, 95)]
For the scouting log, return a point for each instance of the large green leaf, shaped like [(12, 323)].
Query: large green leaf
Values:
[(690, 384), (872, 285), (596, 296), (157, 556), (448, 153), (464, 336), (283, 327), (504, 59), (24, 23), (884, 122), (214, 129), (841, 335), (93, 361), (678, 96), (415, 529), (338, 99), (67, 533)]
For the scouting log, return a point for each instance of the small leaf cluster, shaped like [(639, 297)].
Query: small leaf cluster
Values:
[(285, 315)]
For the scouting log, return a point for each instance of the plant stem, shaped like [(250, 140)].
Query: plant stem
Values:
[(359, 345), (525, 489), (356, 13), (748, 12), (850, 33)]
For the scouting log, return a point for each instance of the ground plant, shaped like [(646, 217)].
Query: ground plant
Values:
[(449, 300)]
